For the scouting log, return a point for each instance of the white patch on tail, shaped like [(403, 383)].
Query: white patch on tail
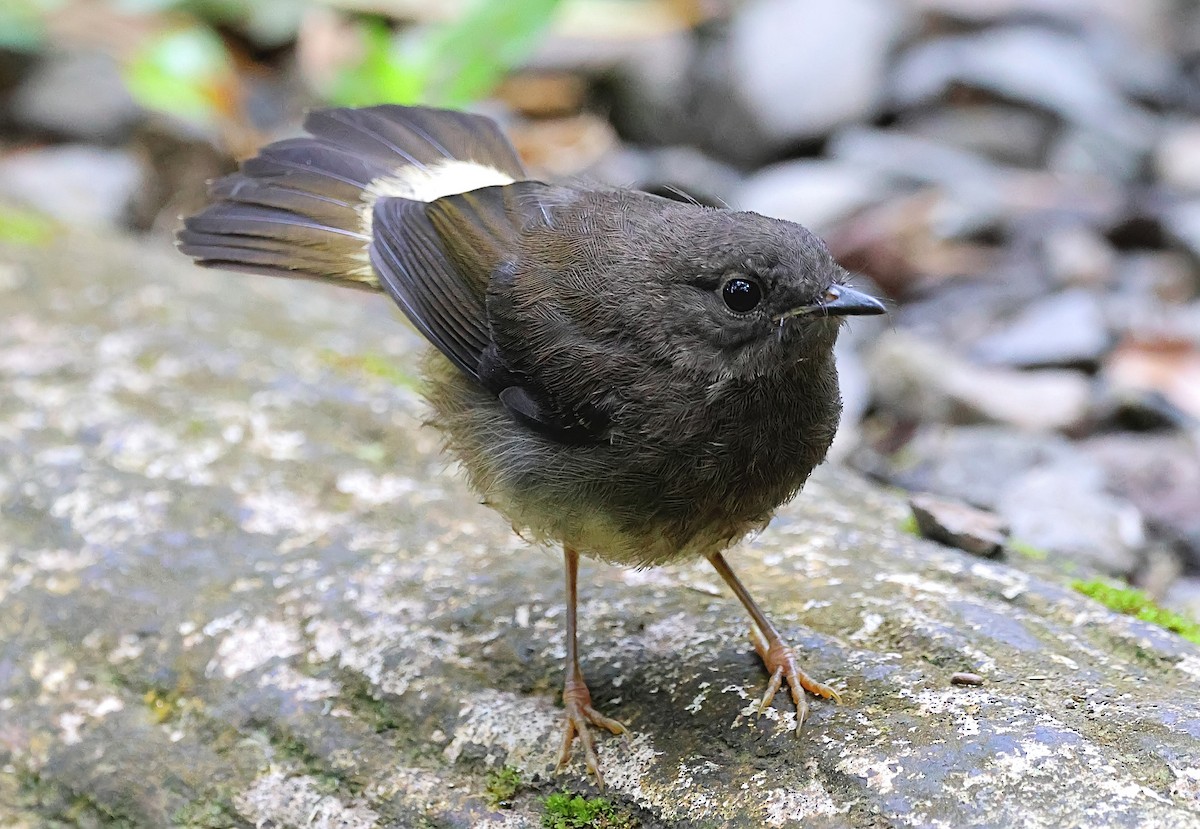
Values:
[(425, 184)]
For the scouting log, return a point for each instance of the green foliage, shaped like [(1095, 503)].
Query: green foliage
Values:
[(502, 784), (21, 26), (566, 811), (24, 227), (181, 72), (452, 64), (386, 73), (1136, 603)]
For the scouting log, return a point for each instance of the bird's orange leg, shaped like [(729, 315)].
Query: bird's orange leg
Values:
[(577, 700), (777, 655)]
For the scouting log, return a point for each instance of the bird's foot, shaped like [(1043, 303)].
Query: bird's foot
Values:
[(782, 664), (577, 702)]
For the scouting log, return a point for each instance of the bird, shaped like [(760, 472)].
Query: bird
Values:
[(640, 380)]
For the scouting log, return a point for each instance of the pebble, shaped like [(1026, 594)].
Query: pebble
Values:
[(1177, 156), (960, 525), (816, 194), (805, 66), (1049, 69), (1071, 515), (921, 380), (73, 182), (1062, 329)]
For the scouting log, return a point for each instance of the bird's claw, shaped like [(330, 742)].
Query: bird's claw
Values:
[(781, 661), (577, 702)]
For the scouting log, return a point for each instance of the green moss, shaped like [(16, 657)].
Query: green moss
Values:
[(502, 784), (566, 811), (1027, 550), (909, 525), (205, 814), (167, 705), (1136, 603)]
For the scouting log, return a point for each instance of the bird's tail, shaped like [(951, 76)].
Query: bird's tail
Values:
[(303, 207)]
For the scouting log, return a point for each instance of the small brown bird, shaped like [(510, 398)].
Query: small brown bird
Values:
[(639, 379)]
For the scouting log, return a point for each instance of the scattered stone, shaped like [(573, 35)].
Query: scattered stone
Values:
[(782, 52), (816, 194), (956, 524), (855, 386), (1160, 474), (1167, 275), (1184, 597), (78, 95), (1182, 222), (917, 379), (1049, 69), (543, 94), (1067, 511), (964, 678), (679, 172), (74, 182), (1165, 366), (563, 147), (1177, 157), (1079, 255), (1066, 329), (974, 464), (1004, 133)]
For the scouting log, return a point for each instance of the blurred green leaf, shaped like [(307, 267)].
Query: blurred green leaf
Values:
[(449, 65), (385, 73), (21, 26), (24, 227), (182, 73), (468, 58)]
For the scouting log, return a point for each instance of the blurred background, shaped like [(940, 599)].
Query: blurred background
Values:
[(1021, 178)]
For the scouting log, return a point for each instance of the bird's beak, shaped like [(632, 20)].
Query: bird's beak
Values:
[(840, 301)]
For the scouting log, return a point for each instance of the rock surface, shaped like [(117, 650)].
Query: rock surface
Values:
[(239, 587)]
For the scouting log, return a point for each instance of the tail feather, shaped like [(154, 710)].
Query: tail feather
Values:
[(303, 206)]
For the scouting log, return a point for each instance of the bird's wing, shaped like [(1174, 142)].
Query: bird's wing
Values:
[(442, 261)]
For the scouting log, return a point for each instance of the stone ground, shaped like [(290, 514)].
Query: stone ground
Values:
[(240, 587)]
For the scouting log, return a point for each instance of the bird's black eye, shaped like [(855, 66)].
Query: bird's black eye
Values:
[(741, 295)]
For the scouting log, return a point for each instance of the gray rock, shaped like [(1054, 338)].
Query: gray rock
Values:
[(1177, 156), (669, 171), (73, 182), (240, 587), (1184, 597), (1005, 133), (781, 56), (1160, 474), (1165, 276), (1092, 152), (816, 194), (1079, 255), (1066, 511), (80, 95), (855, 386), (975, 464), (920, 380), (1058, 330), (1045, 68), (1182, 221), (921, 160), (947, 521)]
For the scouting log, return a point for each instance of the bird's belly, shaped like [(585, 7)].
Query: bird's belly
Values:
[(631, 501)]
